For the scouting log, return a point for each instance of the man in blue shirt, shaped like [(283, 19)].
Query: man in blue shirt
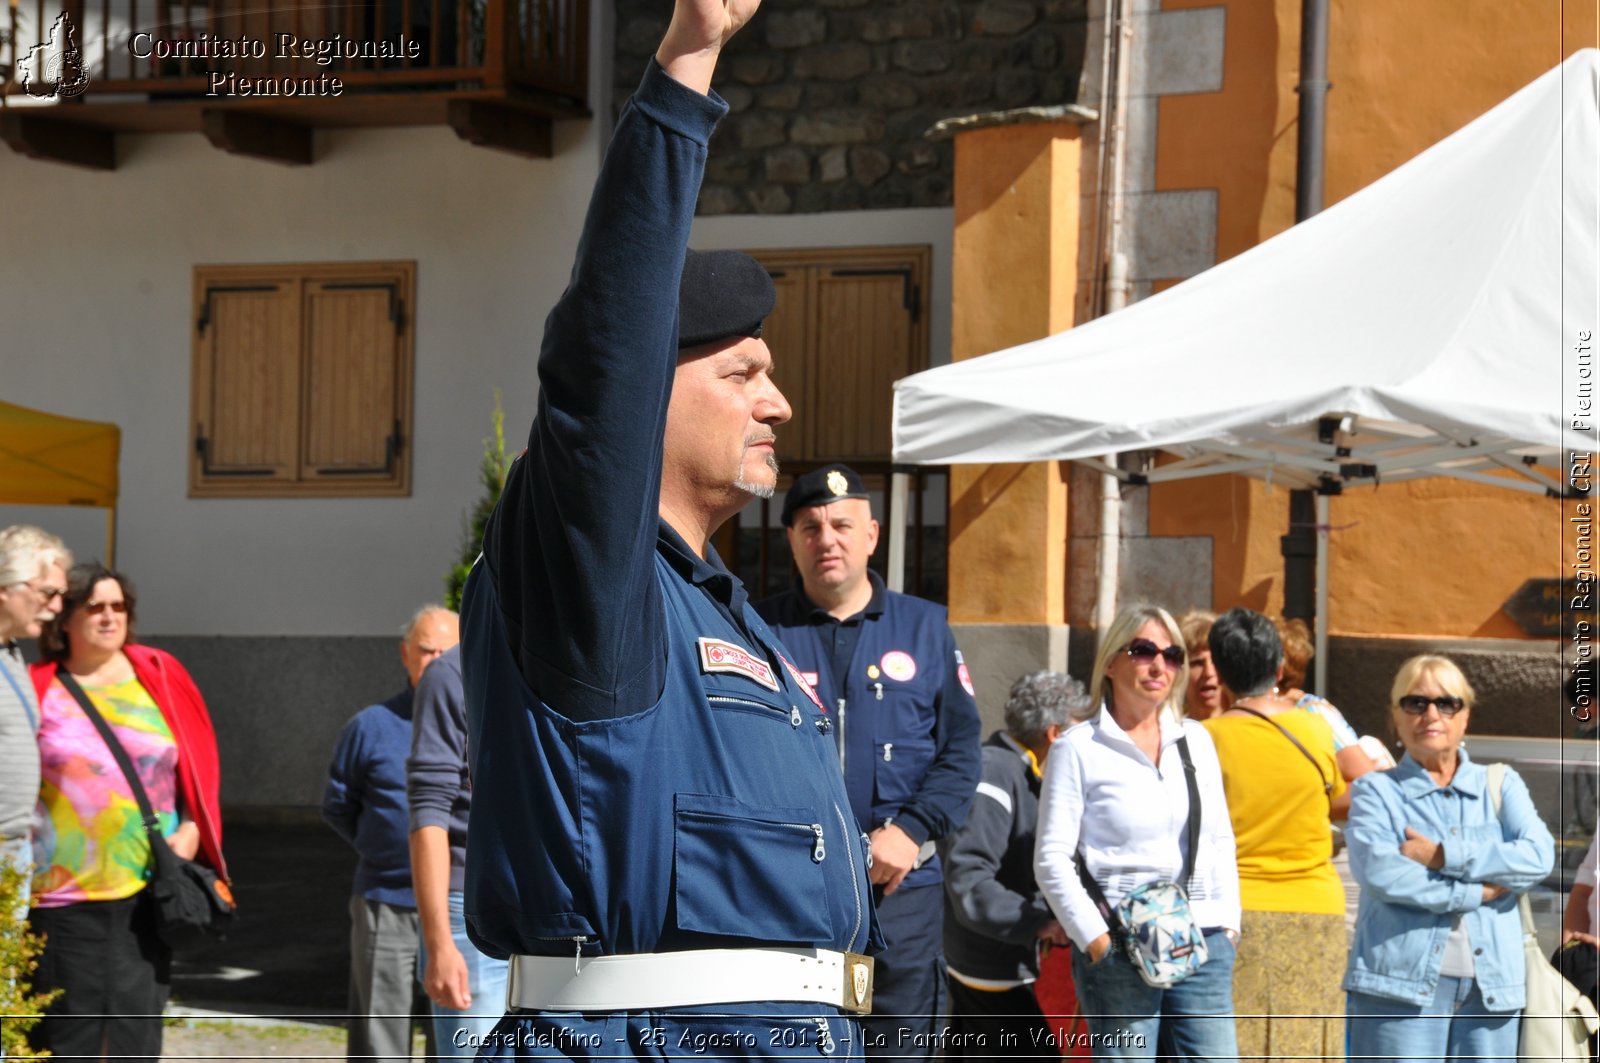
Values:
[(365, 804), (659, 836), (906, 725)]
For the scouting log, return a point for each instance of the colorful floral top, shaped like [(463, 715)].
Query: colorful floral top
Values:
[(88, 841)]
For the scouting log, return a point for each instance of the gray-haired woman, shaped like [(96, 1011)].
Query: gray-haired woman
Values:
[(995, 919)]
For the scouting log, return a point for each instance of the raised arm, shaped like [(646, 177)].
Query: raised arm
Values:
[(570, 548)]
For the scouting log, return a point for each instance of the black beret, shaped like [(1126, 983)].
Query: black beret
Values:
[(722, 294), (831, 483)]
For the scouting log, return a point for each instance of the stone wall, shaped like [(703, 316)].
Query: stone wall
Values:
[(830, 98)]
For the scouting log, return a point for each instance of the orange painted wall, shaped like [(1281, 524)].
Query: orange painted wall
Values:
[(1428, 558), (1014, 272)]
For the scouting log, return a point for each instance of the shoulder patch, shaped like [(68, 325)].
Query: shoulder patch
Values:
[(965, 677), (717, 655), (807, 682)]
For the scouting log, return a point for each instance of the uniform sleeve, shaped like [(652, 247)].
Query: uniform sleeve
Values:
[(438, 746), (1373, 834), (570, 548), (342, 796), (972, 857), (1055, 853), (941, 803), (1521, 860)]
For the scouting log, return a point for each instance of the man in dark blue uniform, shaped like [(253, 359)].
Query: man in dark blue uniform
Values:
[(907, 731), (659, 837)]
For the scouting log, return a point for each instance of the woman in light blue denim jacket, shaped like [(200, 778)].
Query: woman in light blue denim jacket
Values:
[(1436, 969)]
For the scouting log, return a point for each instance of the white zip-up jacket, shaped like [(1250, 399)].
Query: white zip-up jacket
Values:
[(1127, 819)]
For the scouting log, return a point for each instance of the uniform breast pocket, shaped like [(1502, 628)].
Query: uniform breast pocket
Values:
[(898, 768), (750, 871)]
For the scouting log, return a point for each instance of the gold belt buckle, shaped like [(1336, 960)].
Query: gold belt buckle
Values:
[(857, 995)]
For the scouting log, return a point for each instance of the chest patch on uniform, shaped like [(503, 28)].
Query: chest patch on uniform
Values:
[(807, 681), (899, 666), (719, 656)]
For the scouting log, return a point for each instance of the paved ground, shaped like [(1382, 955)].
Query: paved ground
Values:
[(287, 953), (285, 963)]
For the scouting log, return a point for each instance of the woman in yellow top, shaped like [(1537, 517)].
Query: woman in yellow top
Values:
[(1280, 774)]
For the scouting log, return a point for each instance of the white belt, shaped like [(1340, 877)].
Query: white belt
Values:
[(653, 981)]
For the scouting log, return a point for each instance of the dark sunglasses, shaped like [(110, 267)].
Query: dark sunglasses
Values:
[(1416, 704), (96, 608), (1145, 650)]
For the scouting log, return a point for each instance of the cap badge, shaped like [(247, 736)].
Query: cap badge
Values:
[(837, 483)]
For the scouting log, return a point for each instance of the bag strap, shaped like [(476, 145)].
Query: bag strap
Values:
[(33, 721), (151, 824), (1497, 784), (1191, 781), (1327, 787)]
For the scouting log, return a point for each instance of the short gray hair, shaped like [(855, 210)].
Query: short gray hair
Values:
[(420, 615), (1040, 700), (24, 550)]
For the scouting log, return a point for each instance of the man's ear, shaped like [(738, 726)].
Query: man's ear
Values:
[(872, 537)]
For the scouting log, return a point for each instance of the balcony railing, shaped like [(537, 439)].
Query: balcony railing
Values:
[(176, 48)]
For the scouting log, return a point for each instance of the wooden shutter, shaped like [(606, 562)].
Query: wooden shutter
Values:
[(247, 384), (352, 426), (848, 323), (302, 380)]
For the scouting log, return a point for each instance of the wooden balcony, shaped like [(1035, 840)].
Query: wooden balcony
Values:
[(256, 77)]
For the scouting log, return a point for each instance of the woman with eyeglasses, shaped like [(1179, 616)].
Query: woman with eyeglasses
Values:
[(1436, 968), (91, 852), (1114, 808)]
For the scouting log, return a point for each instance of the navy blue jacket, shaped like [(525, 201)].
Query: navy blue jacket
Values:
[(649, 773), (365, 798), (905, 720)]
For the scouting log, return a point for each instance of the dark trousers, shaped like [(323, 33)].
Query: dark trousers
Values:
[(114, 974), (997, 1024), (908, 981)]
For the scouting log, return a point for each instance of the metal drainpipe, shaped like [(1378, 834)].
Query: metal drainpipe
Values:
[(1116, 297), (1303, 545)]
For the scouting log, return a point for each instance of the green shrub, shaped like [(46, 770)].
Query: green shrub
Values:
[(492, 473), (19, 956)]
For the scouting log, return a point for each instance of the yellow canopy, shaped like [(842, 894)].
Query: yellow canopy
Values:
[(50, 460)]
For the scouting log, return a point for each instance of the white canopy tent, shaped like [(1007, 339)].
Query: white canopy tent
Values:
[(1423, 326)]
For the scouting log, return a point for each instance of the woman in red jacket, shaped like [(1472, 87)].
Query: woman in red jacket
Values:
[(91, 855)]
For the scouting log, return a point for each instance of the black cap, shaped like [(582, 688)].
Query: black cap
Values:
[(722, 294), (831, 483)]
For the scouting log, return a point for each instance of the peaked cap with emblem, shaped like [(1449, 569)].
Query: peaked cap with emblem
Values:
[(722, 294), (831, 483)]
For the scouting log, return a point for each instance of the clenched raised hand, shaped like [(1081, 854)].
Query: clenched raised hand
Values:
[(696, 36)]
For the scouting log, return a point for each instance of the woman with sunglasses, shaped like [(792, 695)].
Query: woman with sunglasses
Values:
[(1436, 968), (90, 849), (1114, 806)]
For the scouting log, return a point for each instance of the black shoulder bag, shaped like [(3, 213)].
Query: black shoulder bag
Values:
[(192, 901)]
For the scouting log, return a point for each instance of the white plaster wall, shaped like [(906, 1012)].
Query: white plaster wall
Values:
[(95, 295), (96, 300)]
